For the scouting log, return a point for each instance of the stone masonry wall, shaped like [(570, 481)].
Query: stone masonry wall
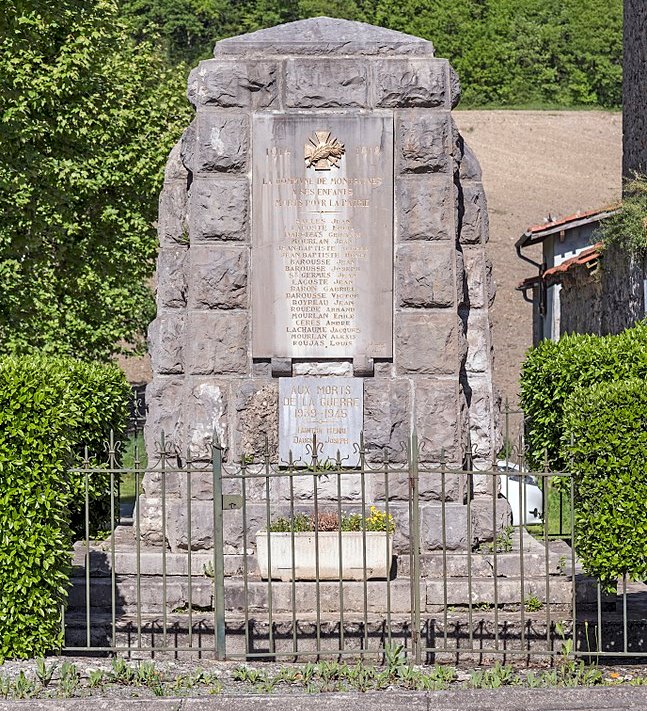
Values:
[(440, 378), (634, 88)]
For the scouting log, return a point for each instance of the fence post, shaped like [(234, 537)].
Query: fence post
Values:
[(218, 546), (414, 545)]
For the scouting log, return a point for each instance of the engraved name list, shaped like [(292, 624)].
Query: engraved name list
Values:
[(322, 236)]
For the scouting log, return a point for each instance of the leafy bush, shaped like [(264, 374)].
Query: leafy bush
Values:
[(608, 426), (48, 407), (554, 370)]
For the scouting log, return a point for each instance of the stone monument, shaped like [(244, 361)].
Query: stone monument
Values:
[(322, 265)]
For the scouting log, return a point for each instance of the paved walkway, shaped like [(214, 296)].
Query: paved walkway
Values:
[(508, 699)]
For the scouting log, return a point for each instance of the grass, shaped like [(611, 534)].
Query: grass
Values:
[(134, 452), (559, 515)]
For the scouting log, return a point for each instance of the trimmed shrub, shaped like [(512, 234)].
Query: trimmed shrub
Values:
[(552, 372), (608, 458), (48, 406)]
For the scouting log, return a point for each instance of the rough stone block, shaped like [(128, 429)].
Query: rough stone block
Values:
[(234, 83), (222, 142), (428, 343), (258, 419), (387, 407), (456, 533), (330, 486), (219, 277), (482, 513), (479, 342), (324, 36), (219, 209), (432, 486), (328, 367), (454, 87), (172, 224), (218, 343), (439, 419), (482, 430), (174, 168), (205, 412), (166, 339), (474, 221), (171, 278), (425, 207), (187, 147), (425, 275), (470, 168), (164, 397), (326, 83), (408, 83), (478, 274), (424, 141)]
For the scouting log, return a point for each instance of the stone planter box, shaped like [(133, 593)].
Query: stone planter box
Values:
[(378, 555)]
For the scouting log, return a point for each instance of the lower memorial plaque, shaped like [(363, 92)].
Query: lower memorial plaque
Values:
[(332, 408)]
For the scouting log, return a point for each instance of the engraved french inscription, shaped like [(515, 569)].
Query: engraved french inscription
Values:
[(332, 408), (322, 236)]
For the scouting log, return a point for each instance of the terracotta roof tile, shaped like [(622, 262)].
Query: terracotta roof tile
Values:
[(587, 257)]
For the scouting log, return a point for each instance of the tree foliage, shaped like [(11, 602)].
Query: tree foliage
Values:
[(507, 52), (87, 118)]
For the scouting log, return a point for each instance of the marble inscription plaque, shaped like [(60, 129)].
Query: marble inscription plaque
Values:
[(330, 407), (322, 236)]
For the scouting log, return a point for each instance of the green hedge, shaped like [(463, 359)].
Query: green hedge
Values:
[(608, 425), (552, 371), (48, 408)]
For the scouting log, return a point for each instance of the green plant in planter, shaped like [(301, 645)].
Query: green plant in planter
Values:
[(377, 520)]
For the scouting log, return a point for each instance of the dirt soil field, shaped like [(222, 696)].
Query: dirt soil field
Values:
[(534, 163)]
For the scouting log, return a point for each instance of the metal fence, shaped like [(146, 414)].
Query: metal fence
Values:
[(213, 558)]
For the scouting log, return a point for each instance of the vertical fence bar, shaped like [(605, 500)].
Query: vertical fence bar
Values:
[(164, 581), (546, 495), (624, 614), (189, 535), (414, 525), (268, 523), (362, 464), (315, 487), (138, 540), (112, 463), (341, 557), (470, 493), (522, 581), (243, 490), (387, 552), (573, 576), (293, 577), (88, 636), (218, 549), (495, 554), (443, 534)]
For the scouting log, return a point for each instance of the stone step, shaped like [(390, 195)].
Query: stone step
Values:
[(432, 565), (450, 636), (154, 594)]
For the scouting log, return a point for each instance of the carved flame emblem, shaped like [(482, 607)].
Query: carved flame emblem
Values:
[(323, 151)]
